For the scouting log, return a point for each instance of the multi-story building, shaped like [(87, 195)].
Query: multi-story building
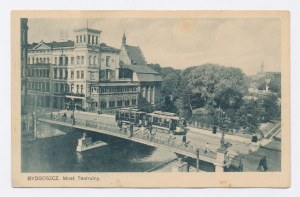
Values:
[(88, 74)]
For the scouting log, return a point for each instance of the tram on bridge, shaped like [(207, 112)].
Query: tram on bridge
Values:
[(158, 121)]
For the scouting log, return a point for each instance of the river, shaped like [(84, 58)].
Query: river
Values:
[(58, 154)]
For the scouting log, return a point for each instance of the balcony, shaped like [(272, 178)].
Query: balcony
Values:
[(75, 94), (93, 66)]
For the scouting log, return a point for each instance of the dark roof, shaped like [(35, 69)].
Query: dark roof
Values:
[(106, 48), (140, 69), (149, 77), (135, 55), (54, 44), (112, 84)]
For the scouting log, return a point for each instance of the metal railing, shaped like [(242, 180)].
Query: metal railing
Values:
[(165, 141)]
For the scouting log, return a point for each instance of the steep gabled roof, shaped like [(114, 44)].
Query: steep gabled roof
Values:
[(144, 73), (148, 77), (140, 69), (135, 55), (106, 48)]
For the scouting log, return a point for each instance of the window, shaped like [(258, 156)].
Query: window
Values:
[(33, 60), (72, 60), (61, 60), (76, 39), (72, 74), (77, 74), (48, 73), (119, 103), (82, 59), (72, 87), (127, 103), (77, 88), (96, 39), (61, 89), (103, 105), (48, 60), (81, 88), (82, 74), (55, 60), (90, 60), (60, 73), (41, 60), (92, 39), (80, 38), (107, 74), (112, 103), (78, 59), (107, 61), (55, 73), (133, 101), (66, 74), (67, 88), (37, 60), (89, 38), (95, 60), (66, 60), (44, 61), (28, 60)]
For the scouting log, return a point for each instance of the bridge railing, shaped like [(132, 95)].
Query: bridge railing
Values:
[(166, 141)]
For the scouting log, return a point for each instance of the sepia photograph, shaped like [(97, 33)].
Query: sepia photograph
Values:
[(108, 98)]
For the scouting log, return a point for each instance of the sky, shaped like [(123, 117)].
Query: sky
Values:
[(181, 43)]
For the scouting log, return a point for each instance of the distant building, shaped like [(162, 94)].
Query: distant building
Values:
[(24, 32), (133, 65), (88, 74)]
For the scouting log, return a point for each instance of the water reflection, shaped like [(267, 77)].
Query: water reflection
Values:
[(58, 154)]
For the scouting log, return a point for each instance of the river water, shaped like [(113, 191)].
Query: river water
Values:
[(58, 154)]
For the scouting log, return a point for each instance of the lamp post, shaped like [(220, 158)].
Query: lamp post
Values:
[(73, 111), (222, 141)]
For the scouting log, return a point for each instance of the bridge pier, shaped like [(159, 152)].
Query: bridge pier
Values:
[(180, 165), (220, 161), (85, 143)]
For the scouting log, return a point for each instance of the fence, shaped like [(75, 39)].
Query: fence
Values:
[(165, 141)]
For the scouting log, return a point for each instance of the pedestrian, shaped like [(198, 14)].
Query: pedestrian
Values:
[(184, 140), (262, 165), (207, 148), (254, 138), (214, 129)]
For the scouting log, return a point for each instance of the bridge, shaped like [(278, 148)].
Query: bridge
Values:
[(215, 157)]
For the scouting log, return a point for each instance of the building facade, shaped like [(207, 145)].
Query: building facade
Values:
[(88, 74)]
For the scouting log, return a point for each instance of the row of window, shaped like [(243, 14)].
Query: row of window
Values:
[(38, 73), (114, 90), (119, 103), (60, 73), (38, 86), (90, 39), (38, 60), (79, 74)]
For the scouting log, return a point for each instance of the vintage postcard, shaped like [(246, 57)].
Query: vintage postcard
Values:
[(150, 99)]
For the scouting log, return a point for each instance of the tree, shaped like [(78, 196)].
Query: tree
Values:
[(89, 100), (229, 98)]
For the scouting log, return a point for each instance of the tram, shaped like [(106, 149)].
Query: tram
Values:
[(159, 121), (167, 122), (131, 115)]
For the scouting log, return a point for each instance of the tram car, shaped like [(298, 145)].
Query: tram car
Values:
[(131, 115), (167, 122), (164, 122)]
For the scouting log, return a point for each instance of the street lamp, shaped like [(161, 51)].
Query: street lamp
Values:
[(73, 111), (222, 141)]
